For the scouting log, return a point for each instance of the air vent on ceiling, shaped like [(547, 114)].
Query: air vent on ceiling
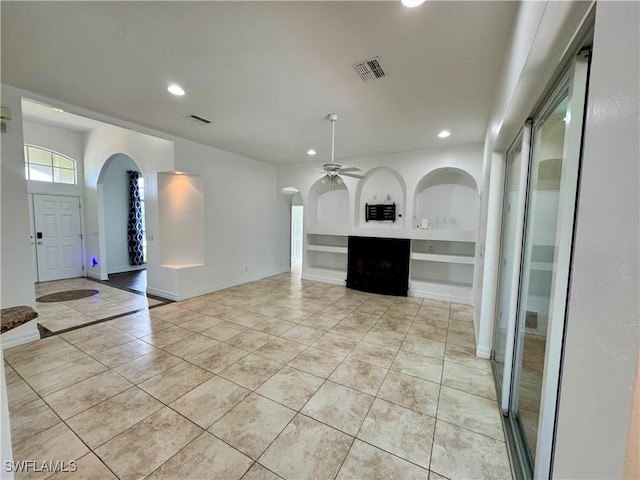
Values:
[(369, 70), (200, 119)]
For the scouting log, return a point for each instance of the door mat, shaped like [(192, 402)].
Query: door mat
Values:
[(67, 295)]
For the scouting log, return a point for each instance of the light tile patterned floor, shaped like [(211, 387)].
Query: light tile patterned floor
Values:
[(109, 302), (274, 379)]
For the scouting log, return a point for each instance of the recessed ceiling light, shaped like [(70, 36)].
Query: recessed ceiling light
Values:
[(311, 152), (444, 134), (176, 89), (412, 3), (56, 109)]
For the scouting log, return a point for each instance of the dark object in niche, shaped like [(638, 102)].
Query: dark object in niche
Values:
[(380, 212), (379, 265)]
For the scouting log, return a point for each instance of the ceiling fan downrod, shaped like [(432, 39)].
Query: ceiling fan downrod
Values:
[(333, 117)]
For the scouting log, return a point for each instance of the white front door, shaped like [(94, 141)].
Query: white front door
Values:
[(58, 237)]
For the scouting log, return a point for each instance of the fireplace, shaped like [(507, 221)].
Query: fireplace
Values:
[(379, 265)]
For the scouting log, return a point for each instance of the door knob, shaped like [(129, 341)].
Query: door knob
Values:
[(39, 242)]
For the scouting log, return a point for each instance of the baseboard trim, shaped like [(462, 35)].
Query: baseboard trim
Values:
[(332, 281), (124, 269), (212, 288), (161, 293), (21, 335), (98, 276), (444, 298), (483, 352)]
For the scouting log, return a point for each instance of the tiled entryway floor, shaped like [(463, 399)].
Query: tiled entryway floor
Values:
[(276, 378), (109, 302)]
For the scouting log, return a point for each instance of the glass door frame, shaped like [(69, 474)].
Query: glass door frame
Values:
[(574, 81), (523, 142)]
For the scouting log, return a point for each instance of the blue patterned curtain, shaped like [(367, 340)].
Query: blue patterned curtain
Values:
[(135, 227)]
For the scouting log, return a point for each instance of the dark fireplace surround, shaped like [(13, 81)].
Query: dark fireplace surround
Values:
[(379, 265)]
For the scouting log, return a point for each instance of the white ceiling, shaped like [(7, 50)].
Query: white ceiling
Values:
[(268, 73), (44, 113)]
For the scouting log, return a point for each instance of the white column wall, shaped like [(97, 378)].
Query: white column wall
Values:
[(15, 258), (603, 328)]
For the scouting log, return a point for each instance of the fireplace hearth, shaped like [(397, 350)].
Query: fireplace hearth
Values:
[(379, 265)]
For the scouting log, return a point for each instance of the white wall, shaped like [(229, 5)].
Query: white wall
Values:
[(601, 345), (115, 188), (16, 262), (246, 219), (327, 205)]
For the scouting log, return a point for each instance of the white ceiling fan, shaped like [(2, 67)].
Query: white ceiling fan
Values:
[(333, 170)]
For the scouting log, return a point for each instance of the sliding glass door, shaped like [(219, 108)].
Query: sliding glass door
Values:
[(517, 164), (534, 272)]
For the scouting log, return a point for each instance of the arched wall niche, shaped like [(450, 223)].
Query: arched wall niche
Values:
[(447, 198), (328, 205), (381, 185)]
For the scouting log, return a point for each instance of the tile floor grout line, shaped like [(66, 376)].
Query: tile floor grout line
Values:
[(63, 421)]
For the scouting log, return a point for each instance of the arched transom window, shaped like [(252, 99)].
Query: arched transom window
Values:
[(44, 165)]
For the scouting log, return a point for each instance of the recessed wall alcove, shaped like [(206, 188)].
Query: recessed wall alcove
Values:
[(328, 205), (448, 198), (381, 185), (181, 226)]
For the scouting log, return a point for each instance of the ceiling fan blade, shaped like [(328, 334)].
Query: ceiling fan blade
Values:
[(353, 175), (349, 169)]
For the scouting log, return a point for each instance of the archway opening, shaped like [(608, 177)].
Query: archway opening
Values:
[(123, 210)]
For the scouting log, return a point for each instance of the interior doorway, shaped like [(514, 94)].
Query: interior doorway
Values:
[(297, 222), (122, 186)]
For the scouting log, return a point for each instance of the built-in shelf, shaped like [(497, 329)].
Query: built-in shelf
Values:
[(434, 257), (326, 248), (410, 233)]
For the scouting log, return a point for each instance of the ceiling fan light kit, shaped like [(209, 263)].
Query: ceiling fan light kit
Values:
[(333, 170)]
